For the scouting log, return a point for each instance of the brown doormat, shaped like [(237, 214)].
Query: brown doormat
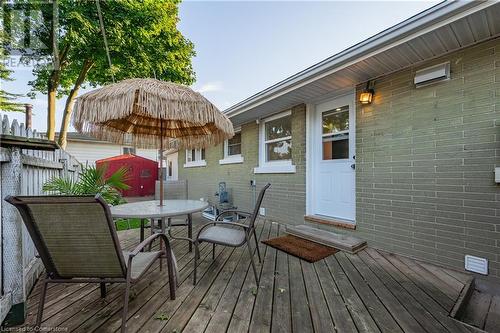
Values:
[(300, 247)]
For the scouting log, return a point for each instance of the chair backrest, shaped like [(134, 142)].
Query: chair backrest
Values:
[(172, 189), (74, 235), (256, 209)]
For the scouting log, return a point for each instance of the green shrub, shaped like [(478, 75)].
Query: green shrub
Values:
[(91, 181)]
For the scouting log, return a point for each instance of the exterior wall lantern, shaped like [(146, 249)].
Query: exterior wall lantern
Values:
[(366, 95)]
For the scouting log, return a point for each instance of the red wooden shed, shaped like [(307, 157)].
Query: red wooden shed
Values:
[(143, 173)]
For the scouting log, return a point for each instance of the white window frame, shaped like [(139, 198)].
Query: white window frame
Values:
[(283, 166), (231, 159), (198, 162), (130, 148)]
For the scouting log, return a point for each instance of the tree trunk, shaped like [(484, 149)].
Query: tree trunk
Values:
[(51, 104), (70, 100), (52, 85)]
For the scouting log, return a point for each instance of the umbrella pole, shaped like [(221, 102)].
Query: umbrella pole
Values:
[(161, 162)]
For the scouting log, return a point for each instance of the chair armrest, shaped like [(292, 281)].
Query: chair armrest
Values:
[(179, 238), (147, 241), (232, 211), (241, 225)]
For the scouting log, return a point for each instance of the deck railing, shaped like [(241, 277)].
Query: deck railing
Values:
[(23, 172)]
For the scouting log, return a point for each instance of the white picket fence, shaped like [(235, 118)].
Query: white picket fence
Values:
[(23, 172)]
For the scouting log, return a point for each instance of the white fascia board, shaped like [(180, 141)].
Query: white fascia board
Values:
[(422, 23)]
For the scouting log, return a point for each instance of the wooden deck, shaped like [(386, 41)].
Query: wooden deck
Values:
[(370, 292)]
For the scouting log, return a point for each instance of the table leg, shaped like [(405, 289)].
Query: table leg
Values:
[(162, 228), (142, 229), (151, 226), (190, 231)]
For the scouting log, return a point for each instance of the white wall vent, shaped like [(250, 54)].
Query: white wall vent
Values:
[(432, 74), (476, 264)]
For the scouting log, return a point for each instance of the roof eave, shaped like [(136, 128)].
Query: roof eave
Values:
[(428, 20)]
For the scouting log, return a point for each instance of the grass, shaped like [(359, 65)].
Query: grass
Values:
[(132, 224)]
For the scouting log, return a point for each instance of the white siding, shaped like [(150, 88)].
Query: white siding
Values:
[(89, 152), (152, 154)]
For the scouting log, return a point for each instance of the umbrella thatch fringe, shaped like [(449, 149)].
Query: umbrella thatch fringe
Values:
[(130, 112), (101, 132), (149, 98)]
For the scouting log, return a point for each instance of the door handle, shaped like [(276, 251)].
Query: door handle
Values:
[(353, 166)]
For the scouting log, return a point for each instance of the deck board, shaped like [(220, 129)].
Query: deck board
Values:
[(222, 314), (282, 318), (421, 296), (402, 316), (262, 311), (371, 291), (477, 309), (380, 314), (320, 315), (360, 314), (342, 319), (301, 315), (417, 310), (240, 319), (492, 324)]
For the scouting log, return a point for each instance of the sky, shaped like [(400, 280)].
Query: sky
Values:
[(242, 47)]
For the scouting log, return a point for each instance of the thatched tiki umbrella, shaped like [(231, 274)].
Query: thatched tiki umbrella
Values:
[(149, 113)]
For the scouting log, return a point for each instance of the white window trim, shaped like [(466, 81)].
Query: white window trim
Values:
[(129, 148), (196, 163), (231, 159), (284, 166)]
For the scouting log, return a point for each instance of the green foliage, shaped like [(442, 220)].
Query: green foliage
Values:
[(92, 180), (161, 316), (7, 100), (142, 36), (125, 224)]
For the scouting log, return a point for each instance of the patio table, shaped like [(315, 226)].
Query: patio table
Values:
[(151, 209)]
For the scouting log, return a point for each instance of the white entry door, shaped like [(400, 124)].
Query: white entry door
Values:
[(333, 159), (171, 162)]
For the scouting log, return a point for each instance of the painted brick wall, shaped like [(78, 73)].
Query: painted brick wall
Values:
[(425, 161), (284, 201)]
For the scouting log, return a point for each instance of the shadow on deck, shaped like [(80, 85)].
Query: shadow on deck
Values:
[(372, 291)]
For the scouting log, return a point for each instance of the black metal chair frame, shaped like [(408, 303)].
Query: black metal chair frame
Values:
[(52, 275), (248, 228)]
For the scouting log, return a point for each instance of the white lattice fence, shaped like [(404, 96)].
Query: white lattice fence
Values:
[(23, 172)]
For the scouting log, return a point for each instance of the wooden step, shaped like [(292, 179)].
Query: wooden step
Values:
[(478, 306), (342, 242), (330, 221), (463, 299)]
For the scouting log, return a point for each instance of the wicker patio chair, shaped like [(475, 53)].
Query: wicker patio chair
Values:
[(233, 234), (77, 242)]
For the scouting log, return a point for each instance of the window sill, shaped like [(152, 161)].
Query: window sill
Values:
[(232, 160), (275, 169), (195, 164)]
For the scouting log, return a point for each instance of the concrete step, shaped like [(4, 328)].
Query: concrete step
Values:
[(342, 242)]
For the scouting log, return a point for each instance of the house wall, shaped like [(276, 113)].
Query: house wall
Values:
[(424, 164), (89, 152), (285, 200), (425, 159)]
